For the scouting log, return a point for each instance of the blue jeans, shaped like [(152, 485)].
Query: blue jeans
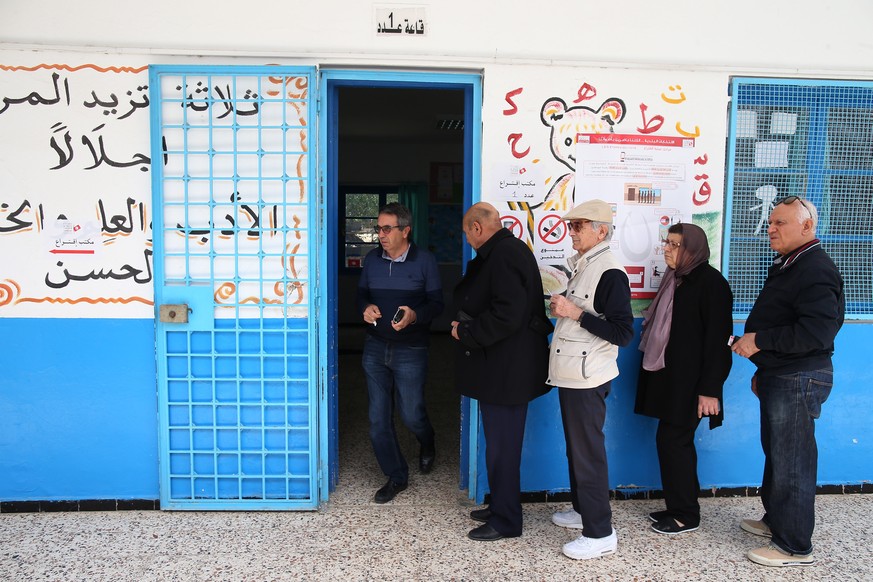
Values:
[(789, 406), (396, 370)]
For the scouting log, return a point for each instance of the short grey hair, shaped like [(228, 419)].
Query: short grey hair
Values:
[(813, 211), (404, 216), (596, 226)]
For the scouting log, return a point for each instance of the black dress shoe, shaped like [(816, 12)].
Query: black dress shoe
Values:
[(670, 526), (426, 459), (485, 533), (481, 514), (389, 491), (657, 516)]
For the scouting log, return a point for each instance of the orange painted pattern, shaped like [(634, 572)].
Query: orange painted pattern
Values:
[(259, 300), (89, 300), (10, 292), (224, 292), (73, 69), (9, 289)]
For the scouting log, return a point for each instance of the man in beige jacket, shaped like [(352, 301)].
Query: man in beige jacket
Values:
[(594, 319)]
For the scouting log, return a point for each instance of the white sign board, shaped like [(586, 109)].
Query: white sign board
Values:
[(647, 179)]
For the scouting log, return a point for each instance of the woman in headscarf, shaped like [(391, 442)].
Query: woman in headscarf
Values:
[(686, 360)]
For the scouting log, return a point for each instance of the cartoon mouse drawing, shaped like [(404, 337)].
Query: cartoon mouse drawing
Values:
[(566, 122)]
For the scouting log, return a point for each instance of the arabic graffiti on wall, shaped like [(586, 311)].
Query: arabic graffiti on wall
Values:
[(75, 227), (234, 190), (75, 189)]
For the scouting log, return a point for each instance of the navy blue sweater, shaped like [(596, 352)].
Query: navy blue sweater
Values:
[(388, 284)]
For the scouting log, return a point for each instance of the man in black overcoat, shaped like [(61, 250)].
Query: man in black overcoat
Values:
[(789, 336), (502, 357)]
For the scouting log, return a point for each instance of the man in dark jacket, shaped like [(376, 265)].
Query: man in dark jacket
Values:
[(789, 336), (502, 357)]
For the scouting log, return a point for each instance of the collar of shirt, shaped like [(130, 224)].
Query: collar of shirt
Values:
[(400, 259), (486, 248), (589, 256), (785, 261)]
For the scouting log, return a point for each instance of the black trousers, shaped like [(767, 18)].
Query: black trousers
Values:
[(504, 432), (583, 412), (678, 459)]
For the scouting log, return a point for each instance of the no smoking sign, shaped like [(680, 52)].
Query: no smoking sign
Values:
[(552, 229), (513, 225)]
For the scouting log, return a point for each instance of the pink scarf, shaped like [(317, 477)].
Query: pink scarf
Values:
[(658, 318)]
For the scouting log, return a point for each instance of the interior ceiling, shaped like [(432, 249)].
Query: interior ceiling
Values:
[(398, 114)]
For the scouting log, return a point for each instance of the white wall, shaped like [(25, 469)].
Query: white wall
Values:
[(800, 37)]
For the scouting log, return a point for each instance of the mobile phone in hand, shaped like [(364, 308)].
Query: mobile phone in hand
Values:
[(398, 316)]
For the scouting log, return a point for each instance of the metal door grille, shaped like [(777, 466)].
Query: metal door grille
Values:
[(808, 138), (235, 247)]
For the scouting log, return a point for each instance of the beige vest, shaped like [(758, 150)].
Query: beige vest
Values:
[(578, 358)]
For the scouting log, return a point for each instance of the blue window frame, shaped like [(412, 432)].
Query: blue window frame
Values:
[(807, 138)]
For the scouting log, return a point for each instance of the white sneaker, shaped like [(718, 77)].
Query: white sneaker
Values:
[(567, 518), (588, 548)]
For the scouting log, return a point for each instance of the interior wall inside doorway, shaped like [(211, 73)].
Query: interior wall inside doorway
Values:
[(391, 136)]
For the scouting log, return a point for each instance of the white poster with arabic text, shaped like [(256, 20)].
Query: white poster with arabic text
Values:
[(646, 179)]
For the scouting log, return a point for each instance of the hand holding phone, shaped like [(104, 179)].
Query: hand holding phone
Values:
[(398, 316)]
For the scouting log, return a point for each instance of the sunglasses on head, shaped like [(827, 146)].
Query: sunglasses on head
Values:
[(788, 200)]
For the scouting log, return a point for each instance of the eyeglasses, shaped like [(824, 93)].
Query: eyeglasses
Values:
[(791, 199), (671, 243), (384, 229), (576, 225)]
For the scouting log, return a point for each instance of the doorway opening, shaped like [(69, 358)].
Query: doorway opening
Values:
[(393, 141)]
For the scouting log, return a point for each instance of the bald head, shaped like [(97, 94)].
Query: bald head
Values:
[(480, 223), (483, 213)]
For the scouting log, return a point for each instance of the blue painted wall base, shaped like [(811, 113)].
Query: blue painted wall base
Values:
[(78, 401), (729, 457)]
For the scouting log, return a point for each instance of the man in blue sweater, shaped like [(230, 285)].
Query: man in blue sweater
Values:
[(399, 294), (789, 336)]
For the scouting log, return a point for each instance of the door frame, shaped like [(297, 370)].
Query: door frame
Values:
[(330, 80)]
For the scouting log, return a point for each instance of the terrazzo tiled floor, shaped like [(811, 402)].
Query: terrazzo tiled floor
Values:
[(421, 535)]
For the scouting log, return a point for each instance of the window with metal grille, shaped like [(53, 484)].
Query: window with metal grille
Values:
[(359, 207), (807, 138)]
